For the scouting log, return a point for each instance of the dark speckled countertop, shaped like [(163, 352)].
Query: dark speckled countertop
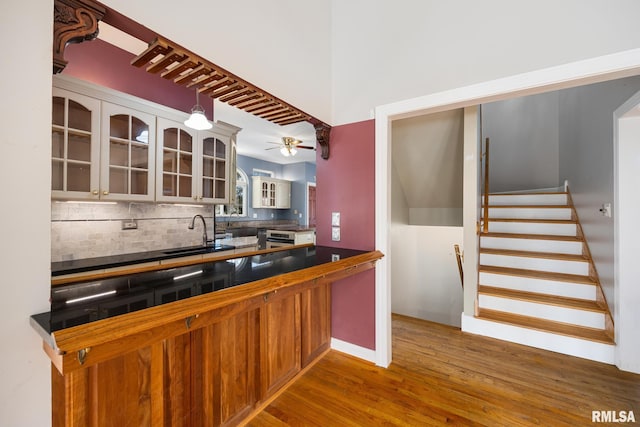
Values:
[(83, 302), (88, 264)]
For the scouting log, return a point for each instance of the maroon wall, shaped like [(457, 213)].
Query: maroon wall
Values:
[(346, 185), (106, 65)]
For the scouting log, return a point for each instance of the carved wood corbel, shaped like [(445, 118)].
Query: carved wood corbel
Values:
[(74, 21), (323, 131)]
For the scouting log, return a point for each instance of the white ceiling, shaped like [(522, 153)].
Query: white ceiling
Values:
[(253, 140)]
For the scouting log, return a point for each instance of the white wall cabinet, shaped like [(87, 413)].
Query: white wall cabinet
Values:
[(271, 193), (104, 148), (127, 154), (193, 166), (75, 145)]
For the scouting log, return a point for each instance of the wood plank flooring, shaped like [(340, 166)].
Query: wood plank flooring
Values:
[(441, 376)]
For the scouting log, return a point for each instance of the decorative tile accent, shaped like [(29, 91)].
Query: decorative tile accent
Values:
[(80, 230)]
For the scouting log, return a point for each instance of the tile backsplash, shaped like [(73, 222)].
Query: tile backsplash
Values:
[(83, 230)]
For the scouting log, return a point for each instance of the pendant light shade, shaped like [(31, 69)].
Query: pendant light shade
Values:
[(198, 120)]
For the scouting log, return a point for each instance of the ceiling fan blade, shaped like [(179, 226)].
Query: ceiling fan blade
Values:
[(308, 147)]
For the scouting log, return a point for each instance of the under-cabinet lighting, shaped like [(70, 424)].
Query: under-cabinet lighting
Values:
[(85, 202), (184, 205), (184, 276), (90, 297)]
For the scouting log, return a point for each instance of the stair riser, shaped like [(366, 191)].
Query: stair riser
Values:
[(542, 311), (541, 286), (528, 199), (604, 353), (533, 245), (538, 264), (532, 228), (530, 213)]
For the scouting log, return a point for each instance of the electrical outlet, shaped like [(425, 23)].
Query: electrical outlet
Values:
[(335, 234), (606, 210), (255, 215), (129, 224), (335, 219), (335, 257)]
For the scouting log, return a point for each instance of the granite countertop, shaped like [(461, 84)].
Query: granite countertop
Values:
[(291, 228), (87, 301), (87, 264)]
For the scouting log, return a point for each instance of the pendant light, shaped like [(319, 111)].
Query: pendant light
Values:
[(198, 120)]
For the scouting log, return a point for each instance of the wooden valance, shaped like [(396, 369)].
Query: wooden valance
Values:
[(185, 68)]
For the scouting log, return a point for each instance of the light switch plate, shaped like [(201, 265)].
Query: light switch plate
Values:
[(335, 234), (335, 219)]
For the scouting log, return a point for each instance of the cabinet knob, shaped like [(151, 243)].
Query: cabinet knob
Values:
[(94, 192), (105, 193)]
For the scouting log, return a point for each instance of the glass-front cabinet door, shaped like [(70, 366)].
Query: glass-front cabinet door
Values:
[(128, 149), (75, 145), (176, 172), (214, 170)]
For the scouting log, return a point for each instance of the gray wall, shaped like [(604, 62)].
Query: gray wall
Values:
[(427, 163), (586, 160), (524, 144), (540, 141)]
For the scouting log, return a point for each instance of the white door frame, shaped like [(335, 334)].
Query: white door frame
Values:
[(626, 158), (608, 67)]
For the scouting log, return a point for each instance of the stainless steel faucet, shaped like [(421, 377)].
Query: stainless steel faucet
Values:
[(205, 238)]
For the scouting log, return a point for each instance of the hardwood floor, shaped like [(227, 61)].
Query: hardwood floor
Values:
[(441, 376)]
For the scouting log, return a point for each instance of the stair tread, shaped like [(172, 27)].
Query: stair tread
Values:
[(544, 275), (528, 193), (534, 220), (559, 328), (555, 300), (531, 254), (532, 236)]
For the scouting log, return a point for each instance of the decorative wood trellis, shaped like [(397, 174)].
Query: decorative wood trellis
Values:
[(188, 69), (77, 20)]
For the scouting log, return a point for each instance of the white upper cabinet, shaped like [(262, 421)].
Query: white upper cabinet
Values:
[(127, 154), (214, 167), (176, 168), (107, 145), (271, 193), (75, 146)]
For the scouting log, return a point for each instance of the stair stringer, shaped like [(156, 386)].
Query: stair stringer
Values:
[(593, 272)]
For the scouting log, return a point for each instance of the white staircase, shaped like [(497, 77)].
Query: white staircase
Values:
[(537, 283)]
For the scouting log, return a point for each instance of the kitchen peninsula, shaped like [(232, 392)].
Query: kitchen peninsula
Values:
[(213, 342)]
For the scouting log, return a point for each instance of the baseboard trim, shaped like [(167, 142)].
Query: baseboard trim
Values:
[(353, 350), (585, 349)]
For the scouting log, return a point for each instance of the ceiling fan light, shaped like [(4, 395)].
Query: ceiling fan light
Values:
[(293, 151), (198, 120), (284, 151)]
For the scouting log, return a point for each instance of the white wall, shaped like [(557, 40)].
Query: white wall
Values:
[(586, 161), (280, 46), (628, 236), (427, 159), (387, 51), (524, 145), (25, 173), (425, 282)]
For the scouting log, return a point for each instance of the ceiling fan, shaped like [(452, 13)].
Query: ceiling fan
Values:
[(289, 146)]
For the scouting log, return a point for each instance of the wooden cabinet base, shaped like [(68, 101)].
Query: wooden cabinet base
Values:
[(218, 367)]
